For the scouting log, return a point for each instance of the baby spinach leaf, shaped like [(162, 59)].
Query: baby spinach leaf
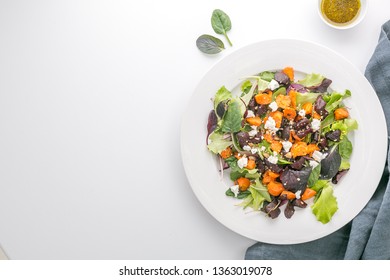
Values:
[(241, 195), (209, 44), (345, 148), (221, 23), (232, 120)]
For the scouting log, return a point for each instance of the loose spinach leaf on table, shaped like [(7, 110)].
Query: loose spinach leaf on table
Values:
[(209, 44), (221, 23)]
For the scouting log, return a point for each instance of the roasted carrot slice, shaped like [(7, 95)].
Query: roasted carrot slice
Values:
[(264, 98), (251, 164), (277, 116), (275, 188), (288, 194), (341, 113), (289, 71), (276, 146), (308, 193), (299, 149), (308, 107), (289, 113), (226, 153), (283, 101), (256, 121), (243, 183)]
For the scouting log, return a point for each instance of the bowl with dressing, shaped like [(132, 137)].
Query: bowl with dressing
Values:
[(342, 14)]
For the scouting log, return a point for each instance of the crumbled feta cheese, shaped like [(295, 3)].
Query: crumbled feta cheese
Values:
[(262, 148), (298, 179), (253, 132), (246, 148), (271, 124), (274, 106), (315, 124), (313, 164), (273, 159), (235, 189), (273, 85), (249, 114), (318, 156), (298, 194), (287, 145), (254, 151), (302, 113), (254, 127), (242, 162)]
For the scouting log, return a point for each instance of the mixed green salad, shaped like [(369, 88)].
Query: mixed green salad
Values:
[(285, 141)]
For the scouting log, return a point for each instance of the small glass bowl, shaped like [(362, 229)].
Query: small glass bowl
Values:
[(350, 24)]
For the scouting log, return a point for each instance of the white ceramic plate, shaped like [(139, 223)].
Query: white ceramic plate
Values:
[(369, 141)]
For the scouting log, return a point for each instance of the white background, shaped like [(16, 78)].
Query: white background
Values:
[(91, 99)]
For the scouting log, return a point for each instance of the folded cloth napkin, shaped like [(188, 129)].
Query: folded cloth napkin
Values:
[(367, 236)]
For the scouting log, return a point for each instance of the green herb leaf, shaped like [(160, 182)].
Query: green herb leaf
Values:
[(209, 44), (345, 148), (232, 119), (221, 23), (325, 205)]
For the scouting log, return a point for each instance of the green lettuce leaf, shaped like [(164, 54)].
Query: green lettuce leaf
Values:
[(232, 119), (302, 98), (346, 125), (344, 165), (335, 99), (258, 199), (246, 86), (221, 95), (246, 202), (281, 90), (325, 205), (262, 190), (311, 80), (218, 143), (319, 185)]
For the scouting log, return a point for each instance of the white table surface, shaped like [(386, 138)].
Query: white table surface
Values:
[(91, 99)]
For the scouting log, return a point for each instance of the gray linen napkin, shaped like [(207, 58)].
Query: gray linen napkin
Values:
[(368, 235)]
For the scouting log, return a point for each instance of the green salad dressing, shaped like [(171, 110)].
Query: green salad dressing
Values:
[(340, 11)]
